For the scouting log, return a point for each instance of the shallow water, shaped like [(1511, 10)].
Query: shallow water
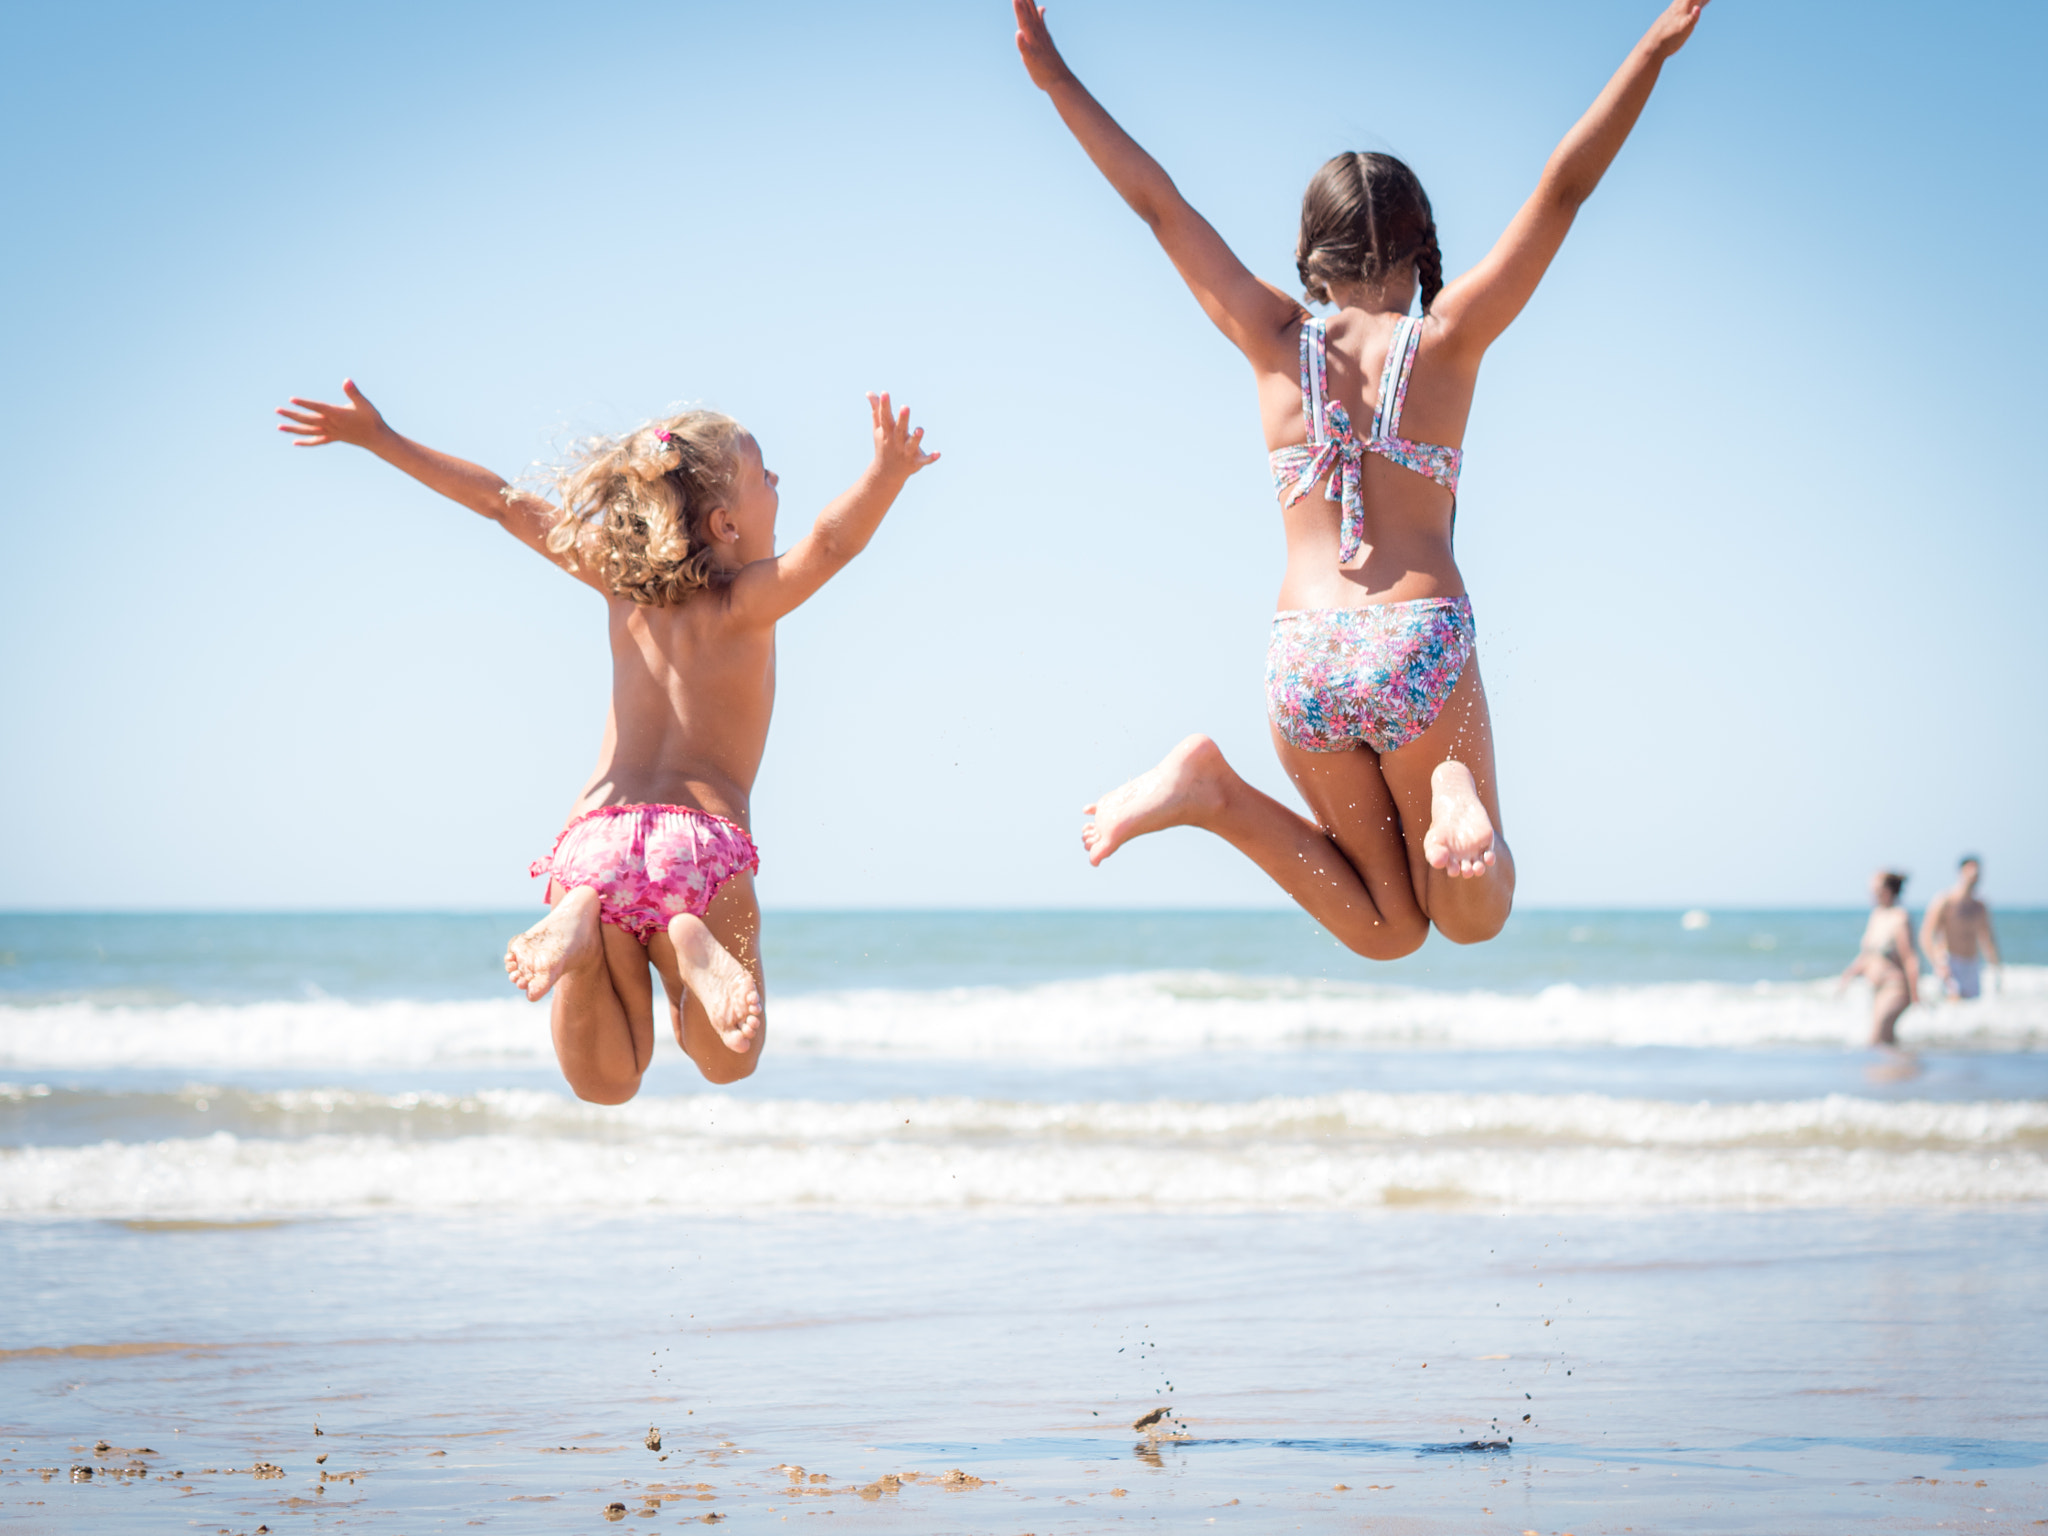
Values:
[(1002, 1182), (1727, 1372), (437, 956)]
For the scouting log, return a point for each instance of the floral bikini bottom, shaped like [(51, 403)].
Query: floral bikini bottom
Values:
[(1381, 675), (648, 863)]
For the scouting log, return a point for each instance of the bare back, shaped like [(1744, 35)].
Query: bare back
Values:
[(692, 693), (1407, 554)]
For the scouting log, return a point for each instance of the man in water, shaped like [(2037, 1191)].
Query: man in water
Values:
[(1956, 933)]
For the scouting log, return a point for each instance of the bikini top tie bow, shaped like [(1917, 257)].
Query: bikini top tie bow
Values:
[(1337, 457), (1334, 450)]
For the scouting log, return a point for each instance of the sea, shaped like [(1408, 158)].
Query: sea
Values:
[(1612, 1224)]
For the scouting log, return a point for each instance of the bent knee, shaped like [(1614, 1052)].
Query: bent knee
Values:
[(605, 1091), (1474, 927), (726, 1067), (1383, 940)]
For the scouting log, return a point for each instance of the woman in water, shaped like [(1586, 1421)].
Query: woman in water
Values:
[(1887, 959)]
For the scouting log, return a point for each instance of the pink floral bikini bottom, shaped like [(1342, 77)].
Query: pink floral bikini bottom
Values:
[(1381, 675), (648, 863)]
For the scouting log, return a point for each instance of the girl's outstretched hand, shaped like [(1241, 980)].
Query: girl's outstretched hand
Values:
[(1042, 60), (1668, 33), (898, 450), (315, 423)]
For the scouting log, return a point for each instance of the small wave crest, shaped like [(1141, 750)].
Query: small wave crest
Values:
[(332, 1151), (223, 1175), (1120, 1016), (1353, 1115)]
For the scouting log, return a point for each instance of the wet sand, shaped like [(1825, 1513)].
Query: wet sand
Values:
[(1417, 1370)]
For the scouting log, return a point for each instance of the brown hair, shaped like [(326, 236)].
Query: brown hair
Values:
[(1892, 881), (1362, 217), (636, 505)]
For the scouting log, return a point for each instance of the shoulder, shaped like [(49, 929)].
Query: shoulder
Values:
[(1444, 342), (736, 604), (1278, 349), (706, 608), (1289, 312)]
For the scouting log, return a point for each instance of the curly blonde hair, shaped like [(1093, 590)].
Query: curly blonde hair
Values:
[(636, 505)]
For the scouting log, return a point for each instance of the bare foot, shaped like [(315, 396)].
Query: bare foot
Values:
[(726, 988), (1187, 785), (558, 943), (1460, 836)]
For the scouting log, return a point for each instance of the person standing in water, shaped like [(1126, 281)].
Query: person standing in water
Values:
[(1887, 959), (1372, 687), (1956, 933)]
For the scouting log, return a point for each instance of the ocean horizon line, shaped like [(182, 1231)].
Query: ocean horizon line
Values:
[(1281, 910)]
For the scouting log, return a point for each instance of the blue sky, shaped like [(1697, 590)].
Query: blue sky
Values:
[(1752, 515)]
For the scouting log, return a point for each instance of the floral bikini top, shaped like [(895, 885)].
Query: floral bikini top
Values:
[(1333, 449)]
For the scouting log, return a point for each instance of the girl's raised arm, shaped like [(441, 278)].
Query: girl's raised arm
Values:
[(1250, 312), (1478, 306), (765, 590), (313, 424)]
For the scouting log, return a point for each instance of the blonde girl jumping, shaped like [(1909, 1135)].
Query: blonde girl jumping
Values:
[(673, 525), (1372, 687)]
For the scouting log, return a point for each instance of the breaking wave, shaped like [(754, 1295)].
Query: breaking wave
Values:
[(1122, 1016), (331, 1151)]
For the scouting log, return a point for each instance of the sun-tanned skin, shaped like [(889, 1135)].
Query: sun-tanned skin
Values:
[(693, 685), (1410, 837), (1958, 926)]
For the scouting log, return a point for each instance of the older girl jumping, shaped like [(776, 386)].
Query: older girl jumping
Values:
[(1372, 687)]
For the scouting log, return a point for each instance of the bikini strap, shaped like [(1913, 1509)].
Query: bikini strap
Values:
[(1314, 377), (1386, 415)]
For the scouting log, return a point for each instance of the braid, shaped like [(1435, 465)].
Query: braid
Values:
[(1312, 286), (1429, 269), (1363, 216)]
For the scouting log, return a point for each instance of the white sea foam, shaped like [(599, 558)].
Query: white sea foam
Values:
[(704, 1152), (1097, 1019), (314, 1034), (1196, 1011), (1357, 1115), (223, 1175)]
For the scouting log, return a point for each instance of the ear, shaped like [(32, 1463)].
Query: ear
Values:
[(722, 526)]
